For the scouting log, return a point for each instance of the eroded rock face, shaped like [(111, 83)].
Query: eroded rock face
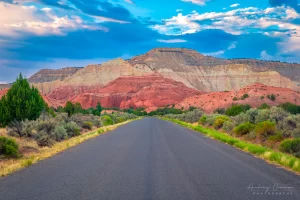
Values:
[(151, 91), (48, 75), (207, 73), (257, 96), (195, 70)]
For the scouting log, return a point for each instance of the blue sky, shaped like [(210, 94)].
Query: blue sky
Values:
[(38, 34)]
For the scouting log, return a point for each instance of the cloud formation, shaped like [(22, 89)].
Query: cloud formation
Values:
[(197, 2), (292, 3), (53, 33)]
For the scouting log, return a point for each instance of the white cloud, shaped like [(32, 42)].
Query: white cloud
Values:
[(231, 21), (232, 46), (172, 41), (179, 10), (39, 22), (234, 5), (265, 56), (238, 21), (215, 54), (221, 52), (198, 2), (129, 1)]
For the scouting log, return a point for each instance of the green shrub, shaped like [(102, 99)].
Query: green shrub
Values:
[(202, 120), (251, 135), (72, 129), (29, 128), (262, 97), (219, 121), (250, 115), (79, 118), (25, 128), (100, 131), (272, 97), (193, 116), (263, 115), (210, 120), (235, 99), (276, 138), (220, 111), (296, 133), (60, 133), (277, 114), (107, 120), (264, 106), (291, 108), (8, 147), (245, 96), (244, 128), (47, 126), (43, 139), (290, 146), (15, 129), (228, 126), (289, 124), (97, 123), (265, 129), (87, 125), (237, 109)]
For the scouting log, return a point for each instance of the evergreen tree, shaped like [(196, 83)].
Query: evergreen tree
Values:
[(21, 102), (99, 108), (69, 108)]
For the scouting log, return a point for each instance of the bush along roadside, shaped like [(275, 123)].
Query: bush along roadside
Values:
[(60, 138), (286, 160)]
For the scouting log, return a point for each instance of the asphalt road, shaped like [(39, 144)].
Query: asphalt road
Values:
[(151, 159)]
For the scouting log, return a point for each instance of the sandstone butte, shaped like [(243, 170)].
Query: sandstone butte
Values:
[(165, 76), (151, 92)]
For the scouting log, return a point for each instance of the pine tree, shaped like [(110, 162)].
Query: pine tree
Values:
[(70, 108), (21, 102)]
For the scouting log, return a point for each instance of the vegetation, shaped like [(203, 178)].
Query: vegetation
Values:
[(291, 108), (244, 128), (265, 129), (191, 117), (8, 147), (237, 109), (245, 96), (165, 111), (288, 161), (21, 102), (272, 127), (8, 166), (264, 106), (272, 97), (219, 121), (291, 146)]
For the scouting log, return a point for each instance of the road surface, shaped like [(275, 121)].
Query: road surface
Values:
[(151, 159)]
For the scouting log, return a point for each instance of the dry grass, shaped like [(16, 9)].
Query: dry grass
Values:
[(33, 153)]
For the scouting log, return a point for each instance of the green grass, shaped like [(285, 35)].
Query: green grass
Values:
[(283, 159)]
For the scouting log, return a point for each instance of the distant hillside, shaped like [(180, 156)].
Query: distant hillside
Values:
[(186, 66)]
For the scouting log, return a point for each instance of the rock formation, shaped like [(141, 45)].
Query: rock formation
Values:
[(151, 92), (258, 94), (204, 73), (168, 76)]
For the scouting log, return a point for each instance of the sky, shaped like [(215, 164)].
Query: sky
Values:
[(38, 34)]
